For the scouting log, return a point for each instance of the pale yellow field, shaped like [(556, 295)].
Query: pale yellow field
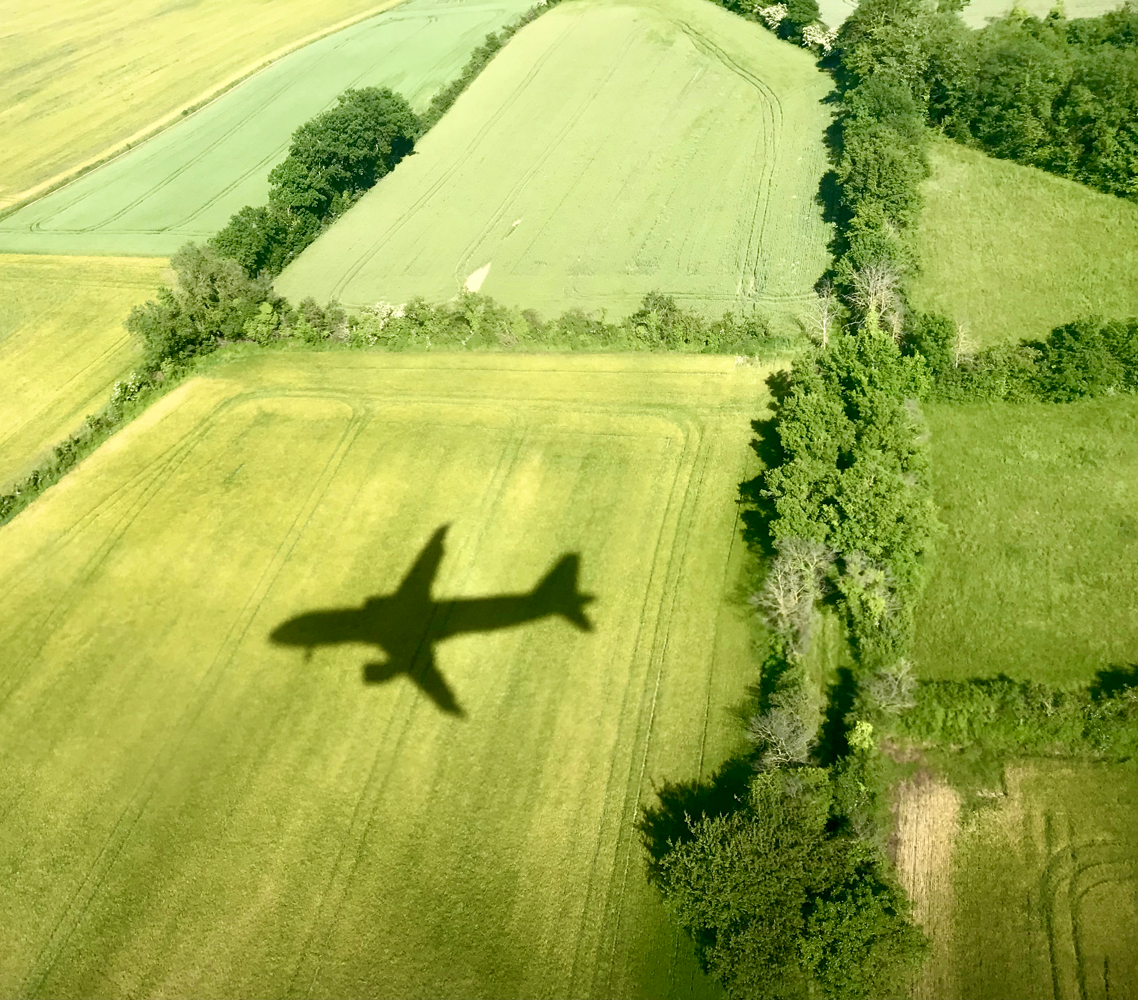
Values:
[(62, 345), (77, 79)]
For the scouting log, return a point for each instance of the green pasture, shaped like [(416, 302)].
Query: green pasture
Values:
[(1012, 252), (1046, 888), (187, 808), (62, 344), (1036, 574), (610, 149), (185, 183)]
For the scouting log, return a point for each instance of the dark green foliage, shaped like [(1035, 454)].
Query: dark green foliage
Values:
[(332, 160), (213, 301), (1081, 359), (1021, 717), (779, 906), (855, 477)]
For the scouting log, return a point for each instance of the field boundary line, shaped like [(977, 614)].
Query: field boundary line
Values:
[(73, 913), (21, 199), (611, 837), (634, 789)]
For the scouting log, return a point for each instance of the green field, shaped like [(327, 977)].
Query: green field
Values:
[(1046, 888), (62, 344), (187, 808), (185, 183), (1013, 252), (76, 82), (610, 149), (1036, 575)]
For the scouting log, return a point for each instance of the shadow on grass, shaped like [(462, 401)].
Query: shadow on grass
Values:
[(680, 804), (406, 624)]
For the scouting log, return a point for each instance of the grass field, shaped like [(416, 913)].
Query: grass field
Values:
[(187, 808), (609, 150), (62, 344), (1046, 890), (74, 82), (1036, 575), (186, 182), (1013, 252)]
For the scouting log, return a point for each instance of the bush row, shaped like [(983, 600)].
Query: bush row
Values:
[(1019, 718), (1086, 358)]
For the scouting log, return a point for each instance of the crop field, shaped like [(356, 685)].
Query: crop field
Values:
[(186, 182), (226, 769), (74, 83), (1013, 252), (1046, 888), (610, 149), (62, 344), (1036, 574)]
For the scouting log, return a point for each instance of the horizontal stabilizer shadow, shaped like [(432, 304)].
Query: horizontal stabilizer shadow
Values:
[(406, 624)]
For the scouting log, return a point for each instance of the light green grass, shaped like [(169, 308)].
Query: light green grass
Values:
[(1036, 575), (62, 344), (1046, 887), (1012, 252), (610, 149), (185, 183), (186, 809)]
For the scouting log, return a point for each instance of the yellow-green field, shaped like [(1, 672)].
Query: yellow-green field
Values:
[(74, 81), (62, 344), (1036, 575), (1012, 252), (186, 183), (1043, 891), (188, 808), (610, 149)]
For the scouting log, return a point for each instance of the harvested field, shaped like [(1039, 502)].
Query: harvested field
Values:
[(609, 150), (187, 182), (1047, 888), (200, 797), (62, 344), (928, 813), (1012, 252)]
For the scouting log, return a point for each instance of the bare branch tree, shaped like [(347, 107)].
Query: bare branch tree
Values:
[(824, 313), (784, 735), (894, 688), (963, 345), (876, 288)]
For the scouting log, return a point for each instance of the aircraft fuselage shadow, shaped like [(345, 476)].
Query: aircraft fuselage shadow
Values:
[(406, 625)]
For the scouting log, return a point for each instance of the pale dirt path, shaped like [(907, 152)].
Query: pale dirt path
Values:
[(927, 819)]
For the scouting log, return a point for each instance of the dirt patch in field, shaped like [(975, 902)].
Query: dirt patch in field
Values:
[(927, 813)]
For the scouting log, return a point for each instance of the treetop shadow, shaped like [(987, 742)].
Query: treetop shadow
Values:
[(406, 624)]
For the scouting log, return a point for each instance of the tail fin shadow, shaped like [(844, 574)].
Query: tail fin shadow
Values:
[(558, 593)]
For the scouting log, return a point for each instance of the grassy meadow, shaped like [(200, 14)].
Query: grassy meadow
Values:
[(186, 182), (1013, 252), (1042, 890), (610, 149), (1036, 574), (188, 809), (62, 344), (76, 81)]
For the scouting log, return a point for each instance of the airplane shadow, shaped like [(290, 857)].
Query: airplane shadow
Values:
[(407, 624)]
